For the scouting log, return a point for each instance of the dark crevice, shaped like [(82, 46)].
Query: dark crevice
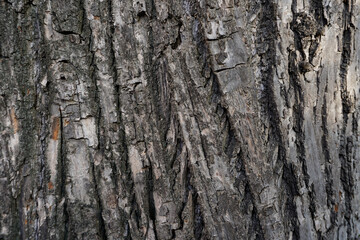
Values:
[(312, 209), (346, 142), (256, 225), (156, 71), (152, 208), (256, 229), (135, 216), (95, 174), (165, 94), (230, 138), (102, 228), (308, 29), (64, 61), (305, 28), (179, 146), (312, 52), (231, 143), (8, 2), (215, 91), (198, 218), (136, 212), (298, 118), (125, 169), (193, 97), (67, 32), (298, 109), (118, 104), (199, 38), (267, 65), (290, 180), (317, 8), (225, 69), (178, 41), (267, 35)]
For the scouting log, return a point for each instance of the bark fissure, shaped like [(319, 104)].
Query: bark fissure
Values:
[(269, 106), (345, 140)]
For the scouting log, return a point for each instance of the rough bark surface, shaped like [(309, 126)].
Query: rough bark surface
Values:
[(179, 119)]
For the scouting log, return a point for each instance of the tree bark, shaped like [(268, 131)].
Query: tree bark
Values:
[(179, 119)]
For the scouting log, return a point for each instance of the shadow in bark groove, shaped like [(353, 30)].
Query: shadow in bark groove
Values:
[(346, 142), (266, 40)]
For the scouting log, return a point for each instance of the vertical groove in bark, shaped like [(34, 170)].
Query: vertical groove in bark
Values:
[(345, 140), (255, 229), (94, 172), (121, 170), (242, 182), (297, 78), (269, 33)]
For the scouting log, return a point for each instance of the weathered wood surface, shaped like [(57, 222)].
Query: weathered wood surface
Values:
[(179, 119)]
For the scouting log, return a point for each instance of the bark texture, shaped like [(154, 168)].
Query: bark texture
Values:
[(179, 119)]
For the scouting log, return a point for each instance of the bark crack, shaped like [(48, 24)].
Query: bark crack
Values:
[(346, 141)]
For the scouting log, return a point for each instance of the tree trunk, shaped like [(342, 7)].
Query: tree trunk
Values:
[(179, 119)]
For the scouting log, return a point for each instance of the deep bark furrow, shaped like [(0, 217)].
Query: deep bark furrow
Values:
[(269, 106), (345, 155)]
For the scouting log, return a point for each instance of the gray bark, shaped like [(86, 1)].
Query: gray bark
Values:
[(179, 119)]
